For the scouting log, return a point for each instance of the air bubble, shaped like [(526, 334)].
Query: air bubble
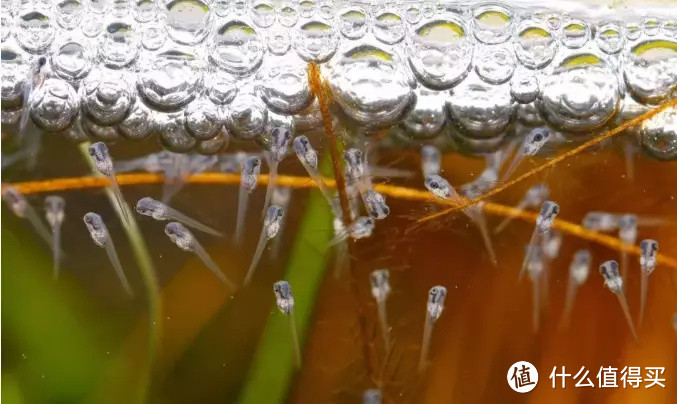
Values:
[(54, 105), (246, 117), (145, 10), (119, 45), (553, 20), (580, 95), (34, 30), (188, 21), (474, 145), (658, 135), (240, 6), (263, 14), (8, 7), (91, 24), (202, 119), (278, 41), (139, 124), (69, 13), (326, 9), (427, 117), (306, 8), (221, 7), (389, 28), (371, 85), (222, 87), (428, 10), (284, 87), (528, 115), (575, 33), (494, 64), (152, 36), (173, 133), (650, 70), (440, 52), (170, 81), (236, 47), (288, 15), (651, 26), (72, 59), (480, 110), (464, 46), (75, 133), (121, 8), (107, 97), (524, 86), (352, 22), (99, 6), (309, 119), (412, 14), (610, 38), (14, 74), (669, 28), (633, 30), (631, 109), (315, 41), (98, 132), (535, 45), (492, 24), (214, 145)]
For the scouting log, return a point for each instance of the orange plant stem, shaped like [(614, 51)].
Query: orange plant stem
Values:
[(556, 160), (79, 183)]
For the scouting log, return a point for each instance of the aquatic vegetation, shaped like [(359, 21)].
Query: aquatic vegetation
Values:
[(180, 104)]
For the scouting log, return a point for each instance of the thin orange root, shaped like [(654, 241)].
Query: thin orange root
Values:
[(62, 184), (558, 159), (323, 98)]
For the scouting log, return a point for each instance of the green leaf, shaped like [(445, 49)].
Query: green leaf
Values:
[(47, 341), (273, 366), (145, 264)]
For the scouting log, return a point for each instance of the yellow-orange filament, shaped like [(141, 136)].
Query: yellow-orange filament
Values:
[(323, 98), (556, 160), (62, 184)]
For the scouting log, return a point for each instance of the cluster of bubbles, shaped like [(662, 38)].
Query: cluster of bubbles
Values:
[(197, 72)]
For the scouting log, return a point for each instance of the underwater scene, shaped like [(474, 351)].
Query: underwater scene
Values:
[(315, 201)]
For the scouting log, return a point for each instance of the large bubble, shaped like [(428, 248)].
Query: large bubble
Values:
[(54, 105), (440, 52), (580, 95), (171, 81), (371, 85)]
